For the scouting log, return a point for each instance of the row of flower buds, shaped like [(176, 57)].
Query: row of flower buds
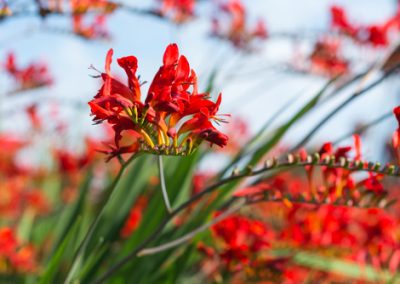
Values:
[(316, 160), (365, 198), (331, 161)]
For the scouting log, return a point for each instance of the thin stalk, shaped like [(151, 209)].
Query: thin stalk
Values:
[(193, 233), (163, 186), (342, 106), (365, 127)]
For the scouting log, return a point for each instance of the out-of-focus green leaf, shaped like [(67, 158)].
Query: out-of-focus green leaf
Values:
[(53, 266), (281, 131), (178, 172), (258, 136), (70, 214), (342, 267), (211, 81), (25, 225), (132, 184)]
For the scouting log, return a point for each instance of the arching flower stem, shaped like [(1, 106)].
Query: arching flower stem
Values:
[(162, 182)]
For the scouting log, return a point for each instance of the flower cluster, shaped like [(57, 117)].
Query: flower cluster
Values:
[(17, 196), (243, 247), (174, 118), (326, 60), (13, 255), (376, 35), (235, 29), (241, 238), (35, 75), (178, 11), (97, 28), (359, 234)]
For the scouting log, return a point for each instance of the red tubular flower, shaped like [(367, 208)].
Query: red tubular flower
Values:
[(325, 58), (376, 35), (20, 258), (156, 125), (134, 218), (236, 30), (242, 238), (177, 10), (8, 242), (373, 183), (96, 29), (340, 21), (33, 76), (34, 118)]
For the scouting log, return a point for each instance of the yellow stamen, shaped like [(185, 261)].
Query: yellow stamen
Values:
[(166, 138), (147, 138), (287, 202), (189, 145), (161, 139), (135, 112), (129, 111)]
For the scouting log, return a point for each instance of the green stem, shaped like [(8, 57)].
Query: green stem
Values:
[(162, 182)]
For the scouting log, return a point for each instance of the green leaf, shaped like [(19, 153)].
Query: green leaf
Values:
[(281, 131), (53, 266), (70, 214), (342, 267)]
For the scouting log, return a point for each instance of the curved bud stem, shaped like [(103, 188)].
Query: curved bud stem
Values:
[(162, 182)]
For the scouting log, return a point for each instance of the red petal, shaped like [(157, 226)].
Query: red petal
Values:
[(171, 55), (109, 60)]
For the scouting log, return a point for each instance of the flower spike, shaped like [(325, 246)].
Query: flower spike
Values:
[(173, 119)]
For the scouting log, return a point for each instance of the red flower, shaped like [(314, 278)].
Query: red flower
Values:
[(177, 10), (373, 183), (375, 34), (8, 242), (341, 22), (325, 58), (21, 258), (96, 29), (242, 238), (235, 29), (35, 75), (134, 218), (69, 163), (153, 125), (34, 117)]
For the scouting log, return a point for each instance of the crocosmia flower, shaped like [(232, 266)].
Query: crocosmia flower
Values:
[(35, 75), (173, 119), (231, 23), (376, 35), (326, 59), (178, 10), (15, 256)]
